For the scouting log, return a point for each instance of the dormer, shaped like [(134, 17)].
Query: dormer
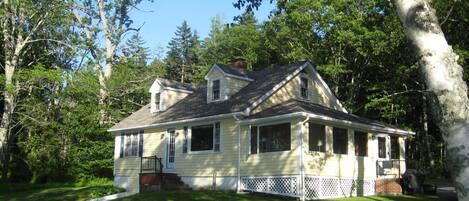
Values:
[(225, 80), (165, 93)]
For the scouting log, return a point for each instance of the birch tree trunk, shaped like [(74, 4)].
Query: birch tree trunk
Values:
[(444, 78)]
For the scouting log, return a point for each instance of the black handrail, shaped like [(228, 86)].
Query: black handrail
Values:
[(151, 164)]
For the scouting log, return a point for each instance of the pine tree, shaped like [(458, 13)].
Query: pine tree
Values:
[(135, 50), (182, 55)]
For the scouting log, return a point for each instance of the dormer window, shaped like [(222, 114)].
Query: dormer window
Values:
[(304, 87), (216, 89), (157, 101)]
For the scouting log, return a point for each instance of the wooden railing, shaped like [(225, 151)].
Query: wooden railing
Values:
[(151, 164)]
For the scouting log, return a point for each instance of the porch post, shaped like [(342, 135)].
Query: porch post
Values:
[(238, 173), (301, 159)]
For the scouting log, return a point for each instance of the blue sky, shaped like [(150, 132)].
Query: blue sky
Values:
[(160, 18)]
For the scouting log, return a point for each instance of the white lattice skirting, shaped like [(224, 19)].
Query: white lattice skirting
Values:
[(315, 187), (333, 187), (279, 185)]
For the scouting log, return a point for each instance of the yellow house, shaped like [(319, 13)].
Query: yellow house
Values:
[(278, 131)]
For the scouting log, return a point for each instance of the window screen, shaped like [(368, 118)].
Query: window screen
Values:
[(317, 137), (361, 143), (381, 147), (274, 138), (340, 139)]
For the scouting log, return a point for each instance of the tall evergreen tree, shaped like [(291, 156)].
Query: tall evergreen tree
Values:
[(135, 50), (182, 56)]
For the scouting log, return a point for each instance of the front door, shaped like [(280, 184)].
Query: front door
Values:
[(170, 148)]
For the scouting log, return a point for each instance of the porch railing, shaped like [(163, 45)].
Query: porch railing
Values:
[(151, 164)]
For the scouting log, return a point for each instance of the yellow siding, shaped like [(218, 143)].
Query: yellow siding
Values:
[(221, 163), (235, 85), (338, 165), (291, 90), (170, 97), (273, 163)]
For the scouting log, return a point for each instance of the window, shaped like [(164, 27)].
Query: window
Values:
[(395, 152), (253, 137), (216, 146), (216, 89), (304, 87), (340, 139), (131, 144), (317, 137), (361, 143), (206, 137), (274, 138), (184, 143), (157, 101), (381, 147)]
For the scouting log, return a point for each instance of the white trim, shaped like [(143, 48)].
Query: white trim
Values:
[(166, 154), (211, 151), (301, 133), (226, 74), (264, 97), (177, 122), (238, 169), (178, 90)]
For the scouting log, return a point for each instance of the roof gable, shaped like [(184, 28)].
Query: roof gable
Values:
[(230, 72), (314, 74)]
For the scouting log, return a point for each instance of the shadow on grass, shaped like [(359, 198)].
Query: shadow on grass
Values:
[(204, 195), (66, 193)]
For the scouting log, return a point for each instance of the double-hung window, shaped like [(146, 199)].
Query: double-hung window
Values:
[(304, 87), (317, 137), (131, 144), (157, 101), (382, 147), (205, 137), (340, 140), (270, 138), (215, 89)]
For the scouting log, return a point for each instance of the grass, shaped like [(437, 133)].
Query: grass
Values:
[(230, 196), (78, 191)]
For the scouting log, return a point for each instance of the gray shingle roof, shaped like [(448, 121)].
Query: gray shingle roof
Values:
[(195, 105), (176, 85), (236, 71), (294, 105)]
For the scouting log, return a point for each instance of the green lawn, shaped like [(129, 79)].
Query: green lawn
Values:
[(55, 192), (229, 196)]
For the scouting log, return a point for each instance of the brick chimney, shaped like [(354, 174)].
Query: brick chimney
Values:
[(239, 63)]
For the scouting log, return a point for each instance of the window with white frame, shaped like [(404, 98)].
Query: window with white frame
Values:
[(157, 101), (304, 87), (340, 140), (205, 137), (317, 137), (270, 138), (215, 89), (184, 143), (382, 147), (131, 144)]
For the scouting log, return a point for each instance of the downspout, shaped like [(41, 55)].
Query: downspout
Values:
[(238, 169), (302, 162)]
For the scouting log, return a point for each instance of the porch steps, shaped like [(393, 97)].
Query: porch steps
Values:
[(161, 181)]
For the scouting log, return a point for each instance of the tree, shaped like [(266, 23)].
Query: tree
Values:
[(182, 54), (111, 19), (444, 78), (135, 50), (23, 24)]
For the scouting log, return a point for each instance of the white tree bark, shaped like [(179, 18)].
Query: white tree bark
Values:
[(444, 78)]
